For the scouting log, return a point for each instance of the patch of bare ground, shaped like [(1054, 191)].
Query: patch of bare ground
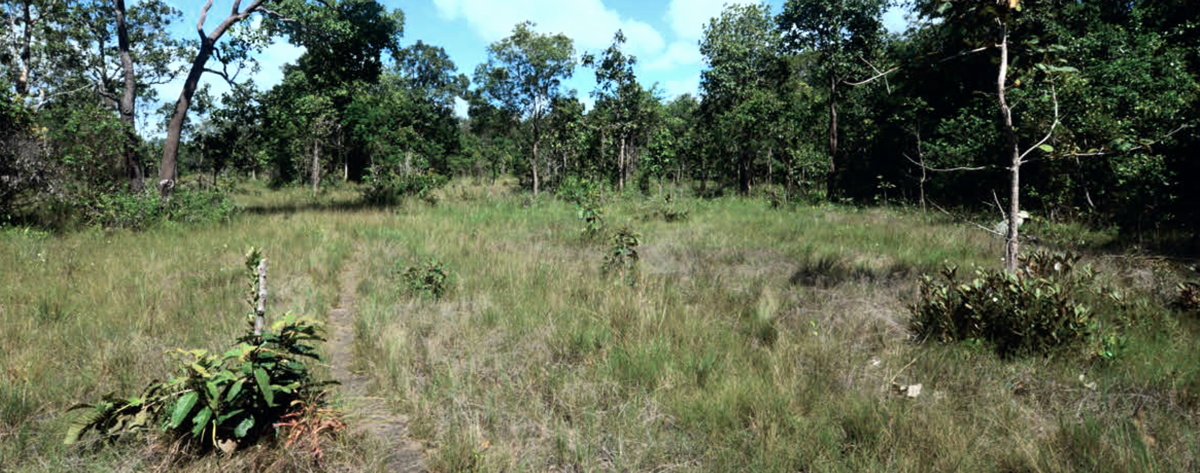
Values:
[(366, 414)]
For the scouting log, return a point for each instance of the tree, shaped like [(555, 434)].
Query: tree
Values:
[(741, 85), (208, 45), (522, 76), (88, 50), (622, 100), (343, 38), (845, 36), (406, 121)]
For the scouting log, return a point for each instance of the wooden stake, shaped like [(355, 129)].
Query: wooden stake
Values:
[(260, 311)]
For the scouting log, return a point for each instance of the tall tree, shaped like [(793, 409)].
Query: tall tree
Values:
[(522, 76), (349, 34), (623, 101), (741, 85), (845, 36), (167, 171)]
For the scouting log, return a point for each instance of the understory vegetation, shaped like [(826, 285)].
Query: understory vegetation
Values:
[(754, 339)]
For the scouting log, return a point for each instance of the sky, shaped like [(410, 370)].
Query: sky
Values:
[(664, 35)]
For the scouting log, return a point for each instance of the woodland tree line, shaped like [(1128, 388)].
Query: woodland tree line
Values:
[(1095, 103)]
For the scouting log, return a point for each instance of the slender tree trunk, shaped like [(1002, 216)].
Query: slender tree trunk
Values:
[(621, 166), (316, 166), (1011, 245), (533, 157), (831, 189), (133, 164), (23, 51), (167, 172)]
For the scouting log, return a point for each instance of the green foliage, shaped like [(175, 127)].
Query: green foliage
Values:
[(522, 76), (622, 256), (667, 209), (588, 197), (146, 209), (236, 396), (430, 278), (577, 190), (385, 187), (1033, 311)]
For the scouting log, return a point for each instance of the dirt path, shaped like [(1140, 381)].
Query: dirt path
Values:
[(364, 413)]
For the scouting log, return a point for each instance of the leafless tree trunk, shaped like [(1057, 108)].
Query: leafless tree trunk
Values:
[(23, 51), (831, 179), (1011, 245), (316, 166), (167, 171), (621, 166)]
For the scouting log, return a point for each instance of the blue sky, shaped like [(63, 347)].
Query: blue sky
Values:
[(663, 34)]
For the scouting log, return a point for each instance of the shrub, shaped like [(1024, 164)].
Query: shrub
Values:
[(622, 256), (225, 400), (146, 209), (578, 190), (1033, 311), (428, 279), (667, 210), (385, 187), (587, 196)]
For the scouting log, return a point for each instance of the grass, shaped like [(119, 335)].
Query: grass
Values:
[(755, 339)]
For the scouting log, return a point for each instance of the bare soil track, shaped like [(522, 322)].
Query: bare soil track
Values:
[(365, 414)]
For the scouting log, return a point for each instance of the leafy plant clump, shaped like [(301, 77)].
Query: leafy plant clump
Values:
[(143, 210), (228, 400), (430, 278), (1034, 311), (386, 187), (622, 257), (588, 198), (668, 210)]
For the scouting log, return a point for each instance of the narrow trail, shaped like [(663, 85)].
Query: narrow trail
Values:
[(365, 413)]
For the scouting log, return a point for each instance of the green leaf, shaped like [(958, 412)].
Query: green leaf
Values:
[(243, 428), (1046, 148), (182, 407), (201, 421), (214, 392), (264, 386), (235, 390), (229, 415)]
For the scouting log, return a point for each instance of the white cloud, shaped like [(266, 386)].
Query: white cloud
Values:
[(678, 54), (589, 23), (675, 88), (894, 19), (272, 60), (688, 17), (462, 108)]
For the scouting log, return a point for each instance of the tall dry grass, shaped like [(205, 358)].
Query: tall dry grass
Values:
[(754, 340)]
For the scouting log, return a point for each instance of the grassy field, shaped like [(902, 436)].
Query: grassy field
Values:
[(753, 340)]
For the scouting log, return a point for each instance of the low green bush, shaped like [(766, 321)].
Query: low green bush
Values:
[(228, 400), (1035, 310), (143, 210), (667, 210), (390, 188), (431, 278), (622, 256)]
